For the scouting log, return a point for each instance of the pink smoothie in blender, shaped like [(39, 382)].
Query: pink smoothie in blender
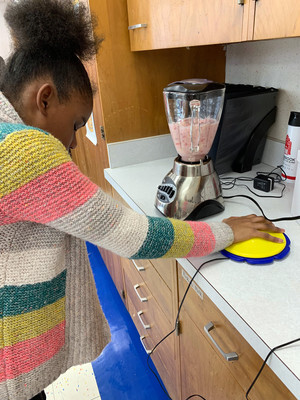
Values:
[(193, 140), (193, 109)]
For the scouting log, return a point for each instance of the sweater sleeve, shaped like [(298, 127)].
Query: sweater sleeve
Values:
[(40, 183)]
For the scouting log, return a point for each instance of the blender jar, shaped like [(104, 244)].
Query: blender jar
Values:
[(193, 109)]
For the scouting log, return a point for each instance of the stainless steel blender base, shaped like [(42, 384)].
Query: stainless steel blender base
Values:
[(190, 191)]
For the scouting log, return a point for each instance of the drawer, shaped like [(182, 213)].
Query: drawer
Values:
[(165, 268), (202, 311), (164, 355), (143, 271), (150, 310)]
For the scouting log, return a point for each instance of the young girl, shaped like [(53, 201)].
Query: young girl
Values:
[(50, 317)]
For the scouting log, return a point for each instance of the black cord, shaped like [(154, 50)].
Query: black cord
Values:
[(277, 178), (152, 370), (261, 210), (265, 361), (176, 327), (256, 194)]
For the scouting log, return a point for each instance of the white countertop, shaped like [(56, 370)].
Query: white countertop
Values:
[(261, 301)]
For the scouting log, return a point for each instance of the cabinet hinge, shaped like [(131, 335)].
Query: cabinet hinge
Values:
[(178, 328), (102, 132)]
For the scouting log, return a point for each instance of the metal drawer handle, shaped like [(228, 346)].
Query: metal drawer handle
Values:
[(142, 322), (137, 293), (228, 356), (146, 350), (137, 26), (137, 267)]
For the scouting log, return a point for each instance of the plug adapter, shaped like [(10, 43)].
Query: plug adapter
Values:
[(264, 183)]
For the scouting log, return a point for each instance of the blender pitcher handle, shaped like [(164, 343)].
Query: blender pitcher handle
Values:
[(195, 121)]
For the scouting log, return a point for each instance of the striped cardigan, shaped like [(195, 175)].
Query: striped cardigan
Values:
[(50, 316)]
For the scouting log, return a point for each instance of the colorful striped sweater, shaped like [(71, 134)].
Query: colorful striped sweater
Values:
[(50, 316)]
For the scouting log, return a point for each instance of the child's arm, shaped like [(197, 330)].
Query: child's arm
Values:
[(40, 183)]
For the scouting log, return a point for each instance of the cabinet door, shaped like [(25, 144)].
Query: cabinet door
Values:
[(276, 19), (202, 370), (200, 310), (115, 265), (180, 23)]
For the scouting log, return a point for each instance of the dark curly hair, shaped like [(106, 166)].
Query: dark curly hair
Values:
[(51, 38)]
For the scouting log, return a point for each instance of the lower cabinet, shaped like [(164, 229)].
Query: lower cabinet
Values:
[(204, 370), (115, 264), (150, 304), (150, 334)]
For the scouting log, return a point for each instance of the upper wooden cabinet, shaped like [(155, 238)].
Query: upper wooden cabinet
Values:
[(156, 24), (276, 19)]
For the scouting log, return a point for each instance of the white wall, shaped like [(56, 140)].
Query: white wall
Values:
[(269, 63), (4, 33)]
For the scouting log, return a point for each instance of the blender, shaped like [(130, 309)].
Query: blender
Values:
[(192, 188)]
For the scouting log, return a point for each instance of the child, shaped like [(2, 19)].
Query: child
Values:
[(49, 310)]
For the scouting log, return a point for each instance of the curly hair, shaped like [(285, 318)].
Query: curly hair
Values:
[(51, 38)]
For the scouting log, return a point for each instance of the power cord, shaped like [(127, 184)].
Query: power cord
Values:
[(230, 182), (261, 210), (265, 361)]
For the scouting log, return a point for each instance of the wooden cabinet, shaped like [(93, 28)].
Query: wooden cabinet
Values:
[(204, 369), (150, 304), (276, 19), (115, 265), (156, 24)]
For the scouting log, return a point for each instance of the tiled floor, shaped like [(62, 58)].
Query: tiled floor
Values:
[(78, 383), (121, 371)]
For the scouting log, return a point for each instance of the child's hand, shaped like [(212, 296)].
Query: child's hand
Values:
[(251, 226)]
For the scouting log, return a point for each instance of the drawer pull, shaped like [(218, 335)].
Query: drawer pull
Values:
[(228, 356), (143, 299), (137, 267), (142, 322), (137, 26), (146, 350)]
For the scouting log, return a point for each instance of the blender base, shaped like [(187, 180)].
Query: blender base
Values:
[(190, 191), (205, 209)]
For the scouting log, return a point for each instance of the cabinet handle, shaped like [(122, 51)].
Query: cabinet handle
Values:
[(241, 2), (143, 299), (146, 350), (145, 326), (137, 267), (228, 356), (137, 26)]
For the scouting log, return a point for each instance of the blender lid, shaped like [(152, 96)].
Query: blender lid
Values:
[(193, 86)]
